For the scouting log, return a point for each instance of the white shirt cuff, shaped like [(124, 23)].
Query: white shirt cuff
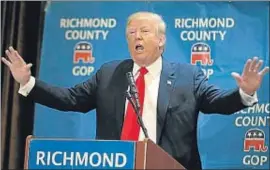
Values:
[(248, 100), (25, 90)]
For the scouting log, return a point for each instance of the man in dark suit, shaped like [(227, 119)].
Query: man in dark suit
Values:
[(170, 94)]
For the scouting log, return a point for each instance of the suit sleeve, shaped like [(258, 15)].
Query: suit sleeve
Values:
[(80, 98), (212, 99)]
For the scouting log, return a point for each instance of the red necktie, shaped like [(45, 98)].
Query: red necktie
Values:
[(131, 127)]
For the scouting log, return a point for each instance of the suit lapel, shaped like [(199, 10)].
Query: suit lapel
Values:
[(166, 84), (119, 91)]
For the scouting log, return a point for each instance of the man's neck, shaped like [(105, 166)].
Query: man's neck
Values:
[(154, 68)]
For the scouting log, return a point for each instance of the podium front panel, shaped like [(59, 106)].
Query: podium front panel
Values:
[(80, 154)]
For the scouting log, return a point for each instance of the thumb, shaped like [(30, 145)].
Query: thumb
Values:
[(237, 77), (29, 65)]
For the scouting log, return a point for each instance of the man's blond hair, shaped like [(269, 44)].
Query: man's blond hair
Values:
[(161, 29)]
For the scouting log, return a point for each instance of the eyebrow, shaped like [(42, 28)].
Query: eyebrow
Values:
[(130, 28), (144, 27)]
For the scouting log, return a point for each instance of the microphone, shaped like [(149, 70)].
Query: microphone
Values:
[(133, 97), (133, 89)]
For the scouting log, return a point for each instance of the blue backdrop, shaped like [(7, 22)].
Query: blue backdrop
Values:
[(80, 36)]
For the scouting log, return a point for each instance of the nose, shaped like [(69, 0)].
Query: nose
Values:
[(138, 35)]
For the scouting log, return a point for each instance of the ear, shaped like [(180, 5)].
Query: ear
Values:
[(162, 40)]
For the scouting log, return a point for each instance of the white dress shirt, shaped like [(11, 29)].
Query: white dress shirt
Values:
[(152, 79), (149, 114)]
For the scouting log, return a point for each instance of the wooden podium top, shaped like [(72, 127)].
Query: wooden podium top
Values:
[(151, 156)]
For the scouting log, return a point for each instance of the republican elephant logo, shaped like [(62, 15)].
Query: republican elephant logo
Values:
[(255, 138), (83, 51), (201, 53)]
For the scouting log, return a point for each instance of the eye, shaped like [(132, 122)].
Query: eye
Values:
[(131, 31), (145, 30)]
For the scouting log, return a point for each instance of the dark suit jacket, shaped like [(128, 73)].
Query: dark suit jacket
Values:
[(177, 109)]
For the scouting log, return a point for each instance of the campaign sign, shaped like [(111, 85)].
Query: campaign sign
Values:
[(80, 154)]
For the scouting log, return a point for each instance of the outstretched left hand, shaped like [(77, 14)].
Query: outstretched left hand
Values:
[(251, 77)]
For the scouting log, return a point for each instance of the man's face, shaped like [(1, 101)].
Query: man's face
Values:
[(144, 41)]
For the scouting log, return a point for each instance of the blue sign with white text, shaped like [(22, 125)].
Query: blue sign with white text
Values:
[(80, 154)]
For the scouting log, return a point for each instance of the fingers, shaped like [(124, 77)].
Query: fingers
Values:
[(29, 65), (264, 71), (6, 62), (14, 56), (258, 66), (19, 57), (10, 57), (247, 66), (253, 64), (12, 51)]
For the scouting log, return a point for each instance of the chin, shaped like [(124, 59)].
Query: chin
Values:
[(140, 58)]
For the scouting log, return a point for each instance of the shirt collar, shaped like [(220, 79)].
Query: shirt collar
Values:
[(154, 69)]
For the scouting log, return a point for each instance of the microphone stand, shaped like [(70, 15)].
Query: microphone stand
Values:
[(137, 111)]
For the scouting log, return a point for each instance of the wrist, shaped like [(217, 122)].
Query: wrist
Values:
[(23, 83), (250, 93)]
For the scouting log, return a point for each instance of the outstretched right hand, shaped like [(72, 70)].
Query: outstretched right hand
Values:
[(19, 69)]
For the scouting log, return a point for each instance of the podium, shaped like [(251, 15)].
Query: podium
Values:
[(53, 153)]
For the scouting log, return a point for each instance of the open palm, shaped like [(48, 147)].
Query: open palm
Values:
[(19, 69), (251, 77)]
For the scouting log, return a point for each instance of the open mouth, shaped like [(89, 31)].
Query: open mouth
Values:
[(139, 48)]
